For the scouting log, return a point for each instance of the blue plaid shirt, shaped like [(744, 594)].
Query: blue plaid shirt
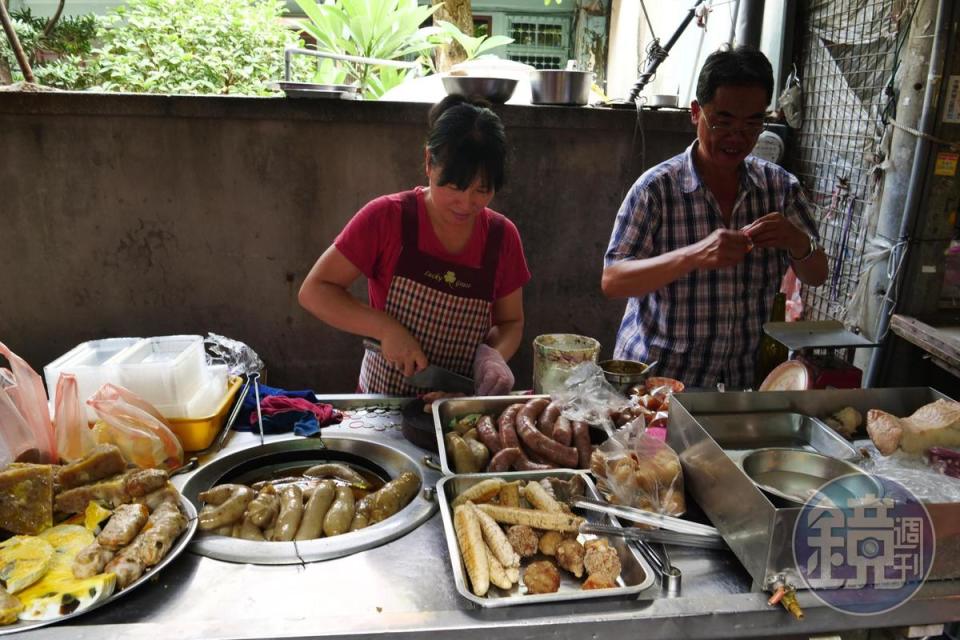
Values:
[(705, 327)]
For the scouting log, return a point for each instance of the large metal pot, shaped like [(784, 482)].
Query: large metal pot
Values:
[(557, 86)]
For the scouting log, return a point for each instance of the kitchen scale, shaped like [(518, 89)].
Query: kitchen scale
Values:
[(816, 344)]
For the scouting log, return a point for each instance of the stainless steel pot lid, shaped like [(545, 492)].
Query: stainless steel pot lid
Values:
[(797, 476)]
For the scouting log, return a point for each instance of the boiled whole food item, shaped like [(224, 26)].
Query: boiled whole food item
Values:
[(933, 425), (226, 505), (125, 523), (337, 470), (340, 515), (311, 525), (291, 512)]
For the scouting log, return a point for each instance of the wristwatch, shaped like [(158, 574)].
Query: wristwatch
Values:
[(814, 245)]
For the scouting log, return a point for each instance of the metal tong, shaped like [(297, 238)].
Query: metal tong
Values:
[(646, 517), (656, 536), (234, 413)]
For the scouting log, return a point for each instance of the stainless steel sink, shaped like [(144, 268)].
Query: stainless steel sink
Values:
[(382, 458)]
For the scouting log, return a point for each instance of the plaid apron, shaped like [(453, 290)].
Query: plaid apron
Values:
[(445, 306)]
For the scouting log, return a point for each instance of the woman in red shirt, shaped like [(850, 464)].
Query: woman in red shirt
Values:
[(445, 273)]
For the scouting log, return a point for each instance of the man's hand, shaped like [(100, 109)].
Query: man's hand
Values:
[(722, 248), (776, 231), (402, 350)]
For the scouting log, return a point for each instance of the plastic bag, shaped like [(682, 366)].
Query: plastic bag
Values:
[(640, 470), (25, 415), (74, 438), (587, 396), (134, 425), (791, 101)]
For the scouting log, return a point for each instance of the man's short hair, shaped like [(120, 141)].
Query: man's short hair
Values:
[(740, 67)]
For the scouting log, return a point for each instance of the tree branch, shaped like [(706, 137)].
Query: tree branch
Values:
[(15, 44), (54, 19)]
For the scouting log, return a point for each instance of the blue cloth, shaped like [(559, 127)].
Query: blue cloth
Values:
[(302, 423), (704, 327)]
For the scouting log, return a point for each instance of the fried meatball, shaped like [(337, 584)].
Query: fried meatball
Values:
[(549, 542), (598, 582), (601, 559), (541, 576), (523, 539), (570, 556)]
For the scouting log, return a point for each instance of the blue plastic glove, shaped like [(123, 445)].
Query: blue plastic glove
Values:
[(491, 375)]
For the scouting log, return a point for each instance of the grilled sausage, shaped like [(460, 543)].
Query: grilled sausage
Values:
[(548, 418), (523, 463), (291, 512), (581, 441), (311, 525), (504, 460), (340, 516), (508, 430), (487, 433), (563, 431), (123, 526), (536, 442)]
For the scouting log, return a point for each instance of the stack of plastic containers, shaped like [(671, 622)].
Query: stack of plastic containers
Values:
[(169, 372)]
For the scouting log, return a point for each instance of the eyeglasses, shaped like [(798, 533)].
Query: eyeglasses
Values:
[(750, 131)]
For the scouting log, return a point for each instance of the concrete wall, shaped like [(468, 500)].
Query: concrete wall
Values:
[(150, 215)]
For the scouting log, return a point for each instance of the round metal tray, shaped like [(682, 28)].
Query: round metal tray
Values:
[(795, 475), (314, 90), (149, 574), (381, 458)]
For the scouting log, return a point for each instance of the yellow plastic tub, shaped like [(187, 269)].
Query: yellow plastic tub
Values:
[(196, 434)]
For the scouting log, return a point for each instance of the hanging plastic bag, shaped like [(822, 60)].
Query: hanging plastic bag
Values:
[(136, 427), (791, 101), (74, 438), (23, 387)]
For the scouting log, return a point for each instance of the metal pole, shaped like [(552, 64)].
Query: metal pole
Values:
[(658, 54), (750, 24), (915, 188)]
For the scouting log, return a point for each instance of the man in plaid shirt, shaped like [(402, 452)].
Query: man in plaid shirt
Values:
[(702, 241)]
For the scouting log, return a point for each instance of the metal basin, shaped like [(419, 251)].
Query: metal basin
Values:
[(561, 87), (497, 90), (382, 459), (796, 476), (777, 429)]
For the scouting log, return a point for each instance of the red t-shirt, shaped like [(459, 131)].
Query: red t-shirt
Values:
[(373, 238)]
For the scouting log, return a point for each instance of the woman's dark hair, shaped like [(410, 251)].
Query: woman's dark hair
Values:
[(467, 139), (740, 67)]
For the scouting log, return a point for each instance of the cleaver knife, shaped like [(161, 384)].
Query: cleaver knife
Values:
[(432, 377)]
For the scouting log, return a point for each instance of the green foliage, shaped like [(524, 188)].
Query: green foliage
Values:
[(473, 46), (384, 29), (193, 46), (56, 59)]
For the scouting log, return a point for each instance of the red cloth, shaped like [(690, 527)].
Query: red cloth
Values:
[(371, 241), (272, 405)]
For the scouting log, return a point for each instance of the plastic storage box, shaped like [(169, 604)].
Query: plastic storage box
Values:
[(165, 370), (92, 363), (196, 434)]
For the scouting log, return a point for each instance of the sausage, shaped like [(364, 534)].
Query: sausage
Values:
[(265, 507), (340, 515), (523, 463), (361, 513), (393, 496), (311, 525), (508, 432), (487, 433), (339, 471), (250, 531), (481, 455), (548, 418), (291, 512), (581, 441), (562, 431), (504, 459), (231, 501), (459, 453), (549, 449)]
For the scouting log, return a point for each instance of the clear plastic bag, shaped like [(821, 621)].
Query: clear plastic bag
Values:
[(587, 396), (640, 470), (136, 427), (74, 438), (25, 415)]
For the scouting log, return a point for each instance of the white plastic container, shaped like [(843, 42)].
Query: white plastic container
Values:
[(165, 370), (206, 399), (92, 363)]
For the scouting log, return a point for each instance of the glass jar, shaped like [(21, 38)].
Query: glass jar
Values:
[(555, 355)]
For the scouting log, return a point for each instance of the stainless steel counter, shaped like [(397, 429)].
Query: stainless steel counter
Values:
[(405, 589)]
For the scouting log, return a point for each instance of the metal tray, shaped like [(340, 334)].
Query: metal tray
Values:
[(446, 409), (149, 574), (313, 90), (635, 576), (748, 431)]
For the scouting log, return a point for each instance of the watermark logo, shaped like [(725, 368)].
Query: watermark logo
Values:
[(863, 544)]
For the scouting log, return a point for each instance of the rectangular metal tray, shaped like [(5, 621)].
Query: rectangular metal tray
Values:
[(743, 431), (635, 576), (446, 409)]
